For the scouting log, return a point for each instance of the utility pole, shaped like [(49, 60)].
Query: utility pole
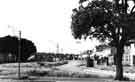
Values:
[(19, 54)]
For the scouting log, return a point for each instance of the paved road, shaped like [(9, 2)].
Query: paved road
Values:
[(72, 66)]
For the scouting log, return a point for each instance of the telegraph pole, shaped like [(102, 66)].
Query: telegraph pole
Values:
[(19, 54)]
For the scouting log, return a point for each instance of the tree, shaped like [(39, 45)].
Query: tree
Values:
[(105, 20), (9, 44), (101, 47)]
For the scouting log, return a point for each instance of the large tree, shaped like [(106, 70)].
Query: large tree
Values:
[(105, 20), (9, 44)]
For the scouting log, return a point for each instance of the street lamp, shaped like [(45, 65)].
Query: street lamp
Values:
[(19, 49), (19, 55)]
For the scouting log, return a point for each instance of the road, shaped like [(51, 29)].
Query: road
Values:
[(71, 67)]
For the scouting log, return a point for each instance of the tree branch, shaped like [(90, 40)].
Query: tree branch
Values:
[(132, 9)]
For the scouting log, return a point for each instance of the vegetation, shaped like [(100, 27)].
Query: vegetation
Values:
[(9, 44), (50, 57), (101, 47), (107, 21)]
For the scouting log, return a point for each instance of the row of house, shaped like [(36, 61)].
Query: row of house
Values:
[(128, 56)]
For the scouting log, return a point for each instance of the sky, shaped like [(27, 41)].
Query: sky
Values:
[(45, 22)]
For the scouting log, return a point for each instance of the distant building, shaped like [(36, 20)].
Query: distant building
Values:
[(104, 53), (128, 56), (41, 57)]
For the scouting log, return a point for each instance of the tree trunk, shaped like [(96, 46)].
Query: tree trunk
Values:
[(119, 66)]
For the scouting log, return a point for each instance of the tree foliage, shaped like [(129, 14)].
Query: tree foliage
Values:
[(92, 19), (101, 47), (99, 20), (9, 44)]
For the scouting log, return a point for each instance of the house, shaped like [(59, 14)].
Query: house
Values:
[(128, 56), (104, 53)]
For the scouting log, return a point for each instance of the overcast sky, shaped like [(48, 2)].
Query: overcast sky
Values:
[(45, 22)]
